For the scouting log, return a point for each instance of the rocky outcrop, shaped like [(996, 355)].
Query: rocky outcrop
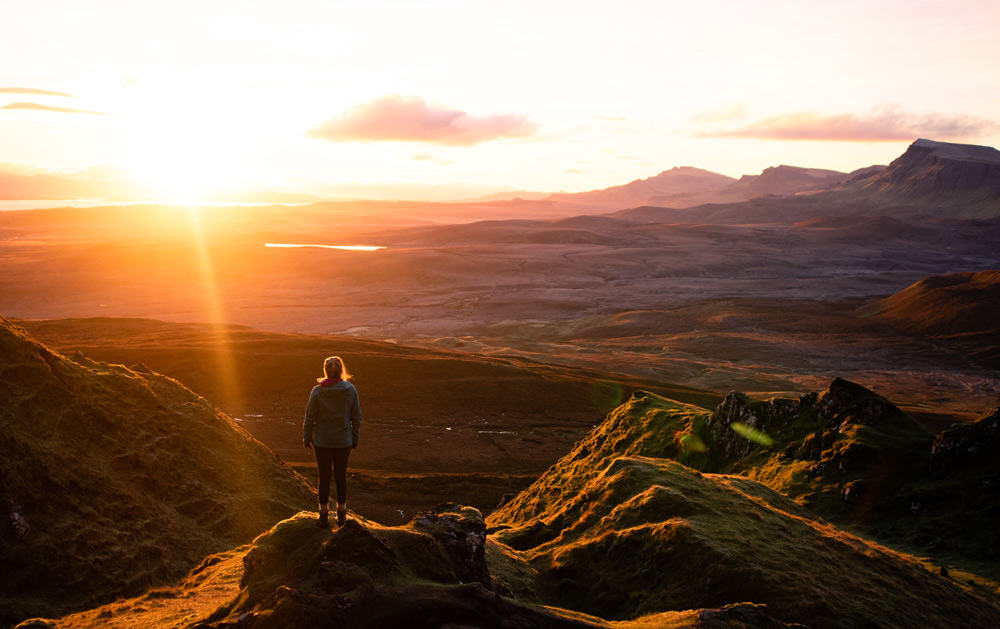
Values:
[(806, 427), (429, 573), (965, 445)]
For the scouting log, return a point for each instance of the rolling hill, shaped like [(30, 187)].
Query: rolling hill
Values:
[(958, 309), (613, 535), (114, 480)]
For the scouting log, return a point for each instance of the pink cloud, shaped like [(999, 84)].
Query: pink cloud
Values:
[(410, 119), (64, 110), (883, 124)]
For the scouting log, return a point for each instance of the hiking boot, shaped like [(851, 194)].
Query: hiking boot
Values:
[(323, 523), (341, 515)]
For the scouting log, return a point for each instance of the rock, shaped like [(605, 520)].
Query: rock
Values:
[(846, 403), (504, 499), (964, 444), (36, 623), (461, 532), (853, 490), (766, 416)]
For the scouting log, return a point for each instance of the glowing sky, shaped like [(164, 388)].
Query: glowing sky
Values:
[(528, 95)]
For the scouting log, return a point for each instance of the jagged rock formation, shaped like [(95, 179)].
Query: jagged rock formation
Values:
[(616, 531), (113, 480), (968, 445), (853, 457)]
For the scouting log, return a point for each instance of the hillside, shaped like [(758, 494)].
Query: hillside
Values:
[(437, 422), (612, 535), (848, 455), (114, 480), (433, 572), (959, 309), (599, 528)]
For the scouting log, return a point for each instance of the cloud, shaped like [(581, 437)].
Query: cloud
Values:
[(725, 113), (573, 171), (427, 157), (883, 124), (410, 119), (64, 110), (34, 91)]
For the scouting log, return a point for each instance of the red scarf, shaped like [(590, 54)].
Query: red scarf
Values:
[(328, 381)]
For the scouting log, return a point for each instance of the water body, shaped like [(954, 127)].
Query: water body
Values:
[(342, 247)]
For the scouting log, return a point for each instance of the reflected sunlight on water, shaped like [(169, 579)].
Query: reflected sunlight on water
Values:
[(343, 247)]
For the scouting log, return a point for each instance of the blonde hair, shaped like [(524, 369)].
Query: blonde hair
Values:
[(334, 368)]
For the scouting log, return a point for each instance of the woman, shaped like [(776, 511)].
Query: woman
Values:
[(332, 427)]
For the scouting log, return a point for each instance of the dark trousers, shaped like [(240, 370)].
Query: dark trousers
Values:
[(337, 458)]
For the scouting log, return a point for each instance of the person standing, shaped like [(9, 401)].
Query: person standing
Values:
[(332, 428)]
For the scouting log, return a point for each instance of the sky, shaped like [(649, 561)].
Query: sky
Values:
[(316, 96)]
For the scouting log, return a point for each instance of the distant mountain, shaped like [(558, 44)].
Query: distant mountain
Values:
[(113, 480), (676, 182), (948, 181), (15, 186), (960, 309), (687, 187), (964, 177)]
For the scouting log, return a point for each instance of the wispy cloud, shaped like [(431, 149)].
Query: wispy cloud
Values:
[(724, 113), (33, 91), (882, 124), (410, 119), (63, 110), (573, 171), (427, 157)]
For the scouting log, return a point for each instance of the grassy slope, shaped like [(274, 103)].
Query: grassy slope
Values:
[(853, 457), (958, 309), (610, 531), (429, 573), (123, 479)]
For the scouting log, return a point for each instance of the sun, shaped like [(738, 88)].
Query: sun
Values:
[(182, 154)]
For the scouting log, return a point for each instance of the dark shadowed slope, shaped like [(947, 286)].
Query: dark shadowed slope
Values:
[(113, 480), (960, 309), (611, 531)]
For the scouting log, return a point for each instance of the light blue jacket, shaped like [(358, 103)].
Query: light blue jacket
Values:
[(333, 416)]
